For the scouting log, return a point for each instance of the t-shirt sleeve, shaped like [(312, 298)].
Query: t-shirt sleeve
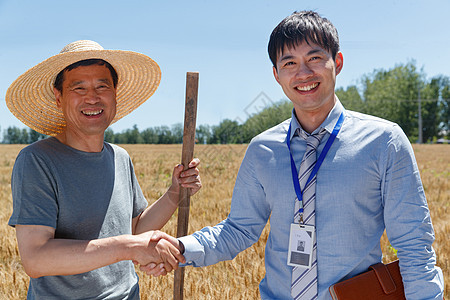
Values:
[(139, 201), (33, 192)]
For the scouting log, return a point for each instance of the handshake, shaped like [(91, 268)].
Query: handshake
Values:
[(156, 252)]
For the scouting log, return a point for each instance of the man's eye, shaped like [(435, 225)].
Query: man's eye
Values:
[(289, 63), (103, 86)]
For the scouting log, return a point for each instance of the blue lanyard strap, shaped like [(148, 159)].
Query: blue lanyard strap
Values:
[(319, 161)]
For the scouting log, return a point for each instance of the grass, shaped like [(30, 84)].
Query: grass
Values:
[(240, 277)]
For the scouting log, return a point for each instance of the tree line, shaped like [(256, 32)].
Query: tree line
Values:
[(402, 95)]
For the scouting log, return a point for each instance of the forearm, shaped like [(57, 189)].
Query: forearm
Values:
[(157, 214), (68, 257)]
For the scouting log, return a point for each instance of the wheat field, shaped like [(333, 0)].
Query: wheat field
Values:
[(237, 279)]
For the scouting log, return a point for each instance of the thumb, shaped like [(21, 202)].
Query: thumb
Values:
[(177, 170)]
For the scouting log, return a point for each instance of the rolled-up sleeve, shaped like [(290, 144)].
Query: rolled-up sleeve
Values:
[(408, 221)]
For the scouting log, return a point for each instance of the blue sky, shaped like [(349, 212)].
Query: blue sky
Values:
[(225, 41)]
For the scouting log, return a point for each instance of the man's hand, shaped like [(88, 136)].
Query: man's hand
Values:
[(155, 269), (187, 179), (158, 248)]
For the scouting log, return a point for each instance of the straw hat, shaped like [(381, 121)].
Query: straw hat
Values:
[(30, 97)]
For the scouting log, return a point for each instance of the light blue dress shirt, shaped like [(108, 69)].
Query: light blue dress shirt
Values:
[(368, 181)]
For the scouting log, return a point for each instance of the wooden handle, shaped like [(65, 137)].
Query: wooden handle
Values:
[(187, 154)]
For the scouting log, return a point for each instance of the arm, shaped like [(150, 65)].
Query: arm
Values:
[(248, 216), (157, 214), (408, 221), (43, 255), (249, 213)]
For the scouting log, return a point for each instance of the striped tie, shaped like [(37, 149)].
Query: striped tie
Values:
[(304, 280)]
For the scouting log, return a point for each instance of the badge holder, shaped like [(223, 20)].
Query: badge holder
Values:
[(301, 244)]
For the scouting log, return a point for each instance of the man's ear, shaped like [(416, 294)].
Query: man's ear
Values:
[(57, 97), (275, 74), (339, 61)]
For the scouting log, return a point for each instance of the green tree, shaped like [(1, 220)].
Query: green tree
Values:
[(149, 136), (227, 132), (12, 135), (164, 135), (393, 95), (351, 99), (444, 108), (120, 138), (429, 96), (133, 135), (177, 133), (203, 134), (34, 136), (267, 118), (109, 135), (24, 137)]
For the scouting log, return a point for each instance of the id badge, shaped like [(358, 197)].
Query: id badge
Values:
[(301, 243)]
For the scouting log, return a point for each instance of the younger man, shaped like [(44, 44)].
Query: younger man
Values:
[(367, 181)]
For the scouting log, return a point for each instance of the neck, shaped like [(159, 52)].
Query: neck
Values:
[(310, 120), (90, 143)]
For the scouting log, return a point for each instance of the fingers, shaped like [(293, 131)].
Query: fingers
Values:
[(154, 269), (194, 183), (189, 178), (174, 241), (170, 246), (160, 253), (177, 171), (167, 253), (192, 169), (194, 163), (167, 248)]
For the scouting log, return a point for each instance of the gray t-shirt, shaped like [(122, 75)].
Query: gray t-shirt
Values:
[(83, 196)]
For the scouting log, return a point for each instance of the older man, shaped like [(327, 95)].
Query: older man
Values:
[(79, 213)]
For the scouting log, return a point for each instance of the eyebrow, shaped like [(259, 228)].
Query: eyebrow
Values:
[(315, 51), (74, 83), (311, 52), (286, 57), (104, 80)]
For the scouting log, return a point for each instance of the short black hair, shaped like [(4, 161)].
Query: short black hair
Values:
[(304, 26), (87, 62)]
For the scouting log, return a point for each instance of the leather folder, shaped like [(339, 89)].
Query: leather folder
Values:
[(379, 283)]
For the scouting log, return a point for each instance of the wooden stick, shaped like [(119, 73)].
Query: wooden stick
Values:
[(190, 117)]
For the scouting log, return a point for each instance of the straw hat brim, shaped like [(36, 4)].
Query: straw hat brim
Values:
[(31, 99)]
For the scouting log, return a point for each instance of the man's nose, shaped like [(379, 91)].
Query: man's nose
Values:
[(303, 71), (91, 96)]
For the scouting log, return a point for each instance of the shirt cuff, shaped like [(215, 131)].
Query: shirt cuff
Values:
[(193, 250)]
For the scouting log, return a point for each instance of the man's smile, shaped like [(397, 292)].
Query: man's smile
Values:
[(92, 112), (307, 88)]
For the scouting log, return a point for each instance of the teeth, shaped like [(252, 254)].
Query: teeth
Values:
[(92, 112), (308, 87)]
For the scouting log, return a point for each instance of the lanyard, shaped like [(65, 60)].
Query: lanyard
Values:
[(319, 161)]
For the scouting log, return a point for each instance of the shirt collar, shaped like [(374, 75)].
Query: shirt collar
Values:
[(328, 124)]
